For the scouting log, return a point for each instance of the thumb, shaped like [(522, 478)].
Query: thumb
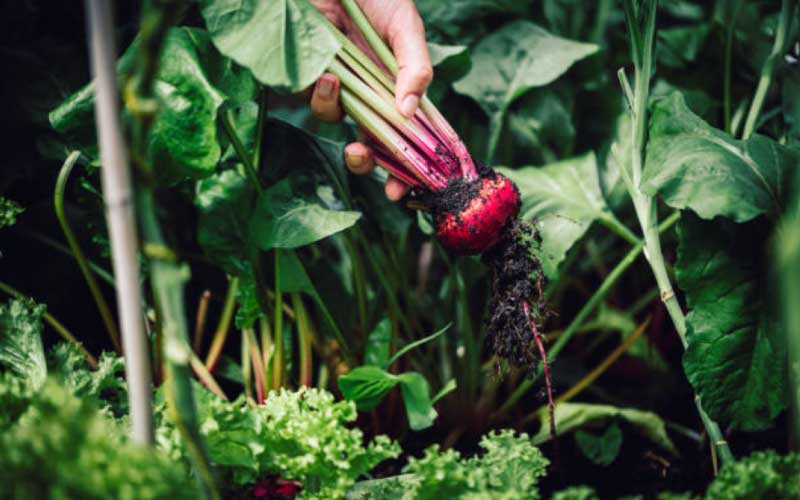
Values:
[(406, 36)]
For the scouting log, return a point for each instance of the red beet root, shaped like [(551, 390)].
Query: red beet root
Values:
[(478, 225)]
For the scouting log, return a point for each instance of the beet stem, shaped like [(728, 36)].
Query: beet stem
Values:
[(547, 382)]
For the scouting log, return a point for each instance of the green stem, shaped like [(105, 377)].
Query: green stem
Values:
[(615, 226), (587, 309), (167, 275), (373, 38), (230, 130), (775, 55), (304, 335), (266, 347), (55, 324), (730, 29), (495, 129), (249, 337), (263, 108), (205, 377), (277, 357), (223, 325), (644, 205), (83, 263)]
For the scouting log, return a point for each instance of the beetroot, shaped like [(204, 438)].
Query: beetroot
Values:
[(475, 209), (477, 226)]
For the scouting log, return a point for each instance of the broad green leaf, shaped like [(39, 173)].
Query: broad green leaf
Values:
[(378, 345), (681, 45), (693, 165), (367, 386), (9, 210), (284, 220), (193, 81), (417, 399), (21, 349), (516, 58), (572, 416), (562, 199), (602, 449), (736, 358), (542, 127), (459, 19), (225, 203), (287, 44), (450, 62)]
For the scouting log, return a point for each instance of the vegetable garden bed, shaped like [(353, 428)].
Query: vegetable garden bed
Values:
[(591, 290)]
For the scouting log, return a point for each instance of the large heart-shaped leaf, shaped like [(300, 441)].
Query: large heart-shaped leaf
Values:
[(516, 58), (450, 63), (572, 416), (225, 204), (562, 199), (693, 165), (193, 81), (283, 219), (287, 44), (736, 358)]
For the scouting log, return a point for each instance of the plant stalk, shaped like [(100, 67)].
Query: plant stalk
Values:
[(80, 257), (118, 198), (767, 71), (645, 206), (167, 275)]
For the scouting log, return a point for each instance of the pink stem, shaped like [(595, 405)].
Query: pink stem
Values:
[(394, 168), (443, 127), (547, 380)]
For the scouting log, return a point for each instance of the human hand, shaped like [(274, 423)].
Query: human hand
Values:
[(398, 22)]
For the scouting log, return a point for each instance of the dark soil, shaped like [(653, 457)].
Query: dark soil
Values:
[(517, 278)]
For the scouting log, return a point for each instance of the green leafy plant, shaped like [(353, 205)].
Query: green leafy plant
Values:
[(510, 467), (62, 447), (297, 436), (368, 385)]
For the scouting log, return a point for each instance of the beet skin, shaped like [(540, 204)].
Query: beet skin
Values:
[(478, 225)]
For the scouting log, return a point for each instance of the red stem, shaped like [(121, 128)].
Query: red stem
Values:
[(547, 380)]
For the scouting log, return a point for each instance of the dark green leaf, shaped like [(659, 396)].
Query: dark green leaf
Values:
[(225, 203), (450, 62), (282, 219), (417, 399), (693, 165), (562, 199), (736, 358), (602, 449), (511, 61), (193, 81), (572, 416), (681, 45), (367, 386), (287, 44), (542, 126), (21, 349), (378, 346)]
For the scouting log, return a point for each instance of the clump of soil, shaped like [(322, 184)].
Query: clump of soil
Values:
[(517, 304)]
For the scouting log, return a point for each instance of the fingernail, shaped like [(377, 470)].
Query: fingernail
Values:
[(325, 87), (409, 105), (355, 160)]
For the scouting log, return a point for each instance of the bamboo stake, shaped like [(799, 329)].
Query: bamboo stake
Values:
[(117, 195)]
